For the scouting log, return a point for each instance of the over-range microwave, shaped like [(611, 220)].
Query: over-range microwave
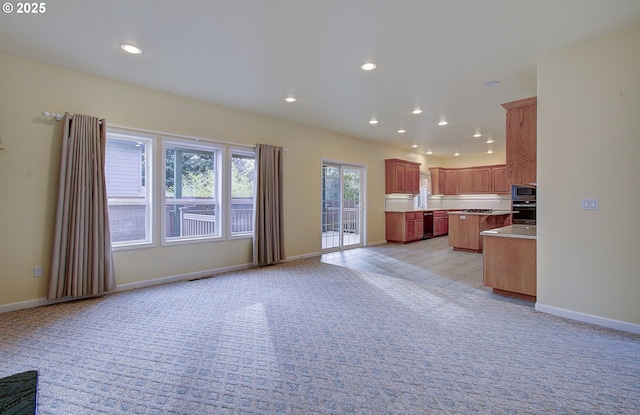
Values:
[(521, 192)]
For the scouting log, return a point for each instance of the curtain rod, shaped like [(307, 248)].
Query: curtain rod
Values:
[(58, 117)]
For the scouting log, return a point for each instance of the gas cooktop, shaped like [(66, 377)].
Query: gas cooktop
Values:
[(478, 210)]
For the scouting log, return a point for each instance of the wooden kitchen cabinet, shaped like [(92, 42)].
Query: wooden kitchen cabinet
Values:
[(509, 266), (403, 226), (444, 181), (521, 141), (466, 181), (469, 180), (465, 228), (440, 223), (482, 180), (401, 176), (499, 182)]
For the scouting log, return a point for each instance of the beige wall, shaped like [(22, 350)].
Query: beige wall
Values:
[(28, 171), (589, 146), (499, 156)]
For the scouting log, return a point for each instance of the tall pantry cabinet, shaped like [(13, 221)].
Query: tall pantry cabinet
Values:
[(521, 140)]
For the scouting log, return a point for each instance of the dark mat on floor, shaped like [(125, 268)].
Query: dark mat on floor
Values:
[(18, 394)]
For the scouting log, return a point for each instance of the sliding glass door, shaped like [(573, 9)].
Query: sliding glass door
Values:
[(342, 206)]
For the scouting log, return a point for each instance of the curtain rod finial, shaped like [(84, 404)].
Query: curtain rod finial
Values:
[(57, 117)]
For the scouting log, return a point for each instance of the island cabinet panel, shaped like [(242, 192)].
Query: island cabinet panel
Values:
[(499, 180), (466, 181), (401, 176), (403, 226), (521, 140), (464, 229), (510, 265)]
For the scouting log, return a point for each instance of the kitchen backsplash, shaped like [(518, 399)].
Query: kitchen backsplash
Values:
[(497, 202)]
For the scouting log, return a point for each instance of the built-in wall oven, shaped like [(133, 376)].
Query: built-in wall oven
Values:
[(523, 202)]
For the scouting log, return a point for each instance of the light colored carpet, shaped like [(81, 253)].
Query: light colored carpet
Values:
[(311, 338)]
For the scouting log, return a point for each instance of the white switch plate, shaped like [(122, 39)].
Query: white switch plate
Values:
[(590, 203), (37, 272)]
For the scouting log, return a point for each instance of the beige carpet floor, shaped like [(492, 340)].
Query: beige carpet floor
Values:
[(311, 338)]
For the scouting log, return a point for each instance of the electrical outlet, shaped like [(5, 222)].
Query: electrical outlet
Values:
[(37, 272), (590, 203)]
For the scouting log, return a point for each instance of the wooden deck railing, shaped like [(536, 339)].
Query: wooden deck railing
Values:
[(350, 220), (196, 224)]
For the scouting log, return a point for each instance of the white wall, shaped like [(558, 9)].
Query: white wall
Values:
[(589, 146)]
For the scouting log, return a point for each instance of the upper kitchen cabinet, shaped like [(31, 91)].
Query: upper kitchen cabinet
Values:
[(482, 180), (401, 176), (521, 140), (444, 181), (466, 183), (469, 180), (499, 180)]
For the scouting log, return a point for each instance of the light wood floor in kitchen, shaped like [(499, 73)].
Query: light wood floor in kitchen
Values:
[(431, 262)]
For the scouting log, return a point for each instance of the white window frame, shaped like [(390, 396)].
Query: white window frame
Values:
[(148, 141), (241, 152), (215, 201)]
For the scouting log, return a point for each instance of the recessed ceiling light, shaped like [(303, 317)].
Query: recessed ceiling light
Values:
[(490, 151), (368, 66), (373, 121), (456, 154), (490, 140), (429, 151), (401, 131), (443, 122), (290, 99), (476, 135), (415, 146), (492, 84), (130, 48), (416, 111)]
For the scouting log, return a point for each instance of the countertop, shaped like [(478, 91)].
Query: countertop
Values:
[(494, 213), (513, 231)]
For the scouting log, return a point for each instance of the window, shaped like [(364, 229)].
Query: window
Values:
[(243, 166), (128, 160), (172, 189), (191, 191)]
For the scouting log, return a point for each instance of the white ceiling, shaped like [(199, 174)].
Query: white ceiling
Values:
[(251, 54)]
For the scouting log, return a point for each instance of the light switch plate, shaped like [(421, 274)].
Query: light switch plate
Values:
[(590, 203)]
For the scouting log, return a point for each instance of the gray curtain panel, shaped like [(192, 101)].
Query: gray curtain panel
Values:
[(268, 239), (82, 263)]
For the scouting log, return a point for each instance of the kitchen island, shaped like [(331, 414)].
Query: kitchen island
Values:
[(510, 261), (465, 227)]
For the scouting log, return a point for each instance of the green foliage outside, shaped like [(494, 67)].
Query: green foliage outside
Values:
[(242, 176), (350, 180), (197, 179)]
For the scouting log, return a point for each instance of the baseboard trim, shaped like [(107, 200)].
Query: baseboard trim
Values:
[(589, 318), (305, 256), (381, 242), (125, 287), (182, 277)]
